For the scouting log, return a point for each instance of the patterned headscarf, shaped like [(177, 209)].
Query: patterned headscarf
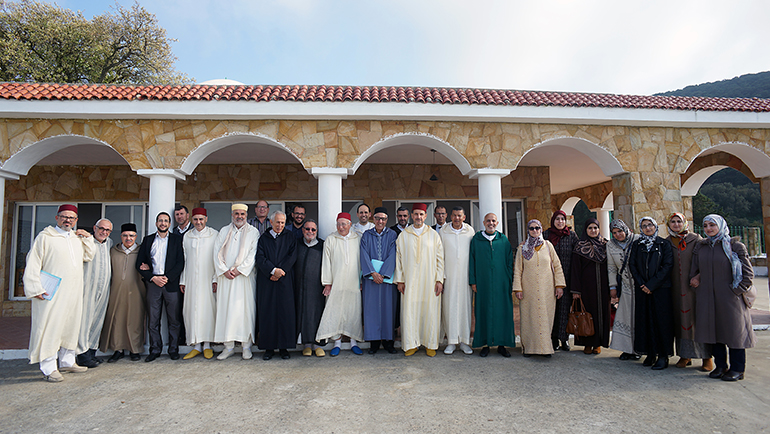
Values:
[(528, 249), (648, 240), (620, 224), (724, 236), (683, 233), (595, 248), (554, 235)]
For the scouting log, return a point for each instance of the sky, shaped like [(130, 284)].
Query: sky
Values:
[(599, 46)]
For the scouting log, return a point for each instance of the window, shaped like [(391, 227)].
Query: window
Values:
[(30, 219)]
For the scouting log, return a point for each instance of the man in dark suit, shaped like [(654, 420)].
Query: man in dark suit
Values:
[(402, 216), (440, 215), (160, 262), (182, 217)]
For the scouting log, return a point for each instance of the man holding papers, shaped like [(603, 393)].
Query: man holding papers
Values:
[(53, 279), (378, 262)]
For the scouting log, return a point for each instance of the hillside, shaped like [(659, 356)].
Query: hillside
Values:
[(746, 86)]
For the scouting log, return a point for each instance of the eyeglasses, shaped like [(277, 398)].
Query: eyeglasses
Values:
[(535, 228), (104, 229), (63, 217), (299, 213), (263, 207), (647, 226), (310, 229), (381, 218)]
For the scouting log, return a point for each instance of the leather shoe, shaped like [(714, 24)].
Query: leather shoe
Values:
[(624, 356), (503, 351), (284, 353), (307, 352), (174, 355), (564, 346), (661, 364), (717, 373), (732, 376), (484, 352), (555, 343), (86, 360), (74, 368), (54, 377), (526, 355), (649, 360), (135, 357), (357, 351), (319, 352), (389, 347), (117, 355), (268, 355), (191, 354), (683, 362), (335, 352), (151, 357), (373, 347)]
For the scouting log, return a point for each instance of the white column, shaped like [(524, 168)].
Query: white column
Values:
[(3, 176), (162, 193), (603, 215), (490, 192), (329, 197)]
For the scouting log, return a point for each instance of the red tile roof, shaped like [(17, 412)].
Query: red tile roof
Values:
[(425, 95)]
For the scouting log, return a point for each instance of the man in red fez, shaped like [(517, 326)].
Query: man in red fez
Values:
[(420, 278), (53, 279)]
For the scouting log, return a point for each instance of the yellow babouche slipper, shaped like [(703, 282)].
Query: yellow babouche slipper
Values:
[(191, 354), (410, 352), (319, 352), (430, 352), (307, 352), (208, 353)]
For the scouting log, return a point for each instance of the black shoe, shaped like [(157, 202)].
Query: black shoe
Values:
[(555, 343), (484, 352), (92, 352), (284, 353), (86, 360), (732, 376), (151, 357), (649, 360), (389, 347), (502, 351), (373, 347), (661, 364), (117, 355), (268, 355), (634, 357), (135, 357), (526, 355), (718, 372), (174, 355), (564, 345), (547, 356), (625, 356)]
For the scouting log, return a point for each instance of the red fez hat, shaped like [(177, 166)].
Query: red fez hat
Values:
[(344, 215), (68, 207), (420, 206), (199, 211)]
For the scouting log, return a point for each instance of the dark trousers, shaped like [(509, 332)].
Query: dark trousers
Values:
[(737, 357), (156, 298)]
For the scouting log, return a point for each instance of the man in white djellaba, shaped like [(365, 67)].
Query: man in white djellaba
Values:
[(58, 252), (199, 284), (96, 294), (234, 255)]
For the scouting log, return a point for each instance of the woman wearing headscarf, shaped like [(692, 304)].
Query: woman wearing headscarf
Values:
[(563, 240), (721, 274), (538, 282), (683, 296), (590, 282), (651, 263), (618, 253)]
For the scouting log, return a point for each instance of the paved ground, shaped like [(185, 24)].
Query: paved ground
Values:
[(571, 392)]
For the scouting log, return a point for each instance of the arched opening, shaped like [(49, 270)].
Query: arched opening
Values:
[(245, 167)]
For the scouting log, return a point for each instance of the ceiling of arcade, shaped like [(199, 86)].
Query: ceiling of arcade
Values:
[(147, 144)]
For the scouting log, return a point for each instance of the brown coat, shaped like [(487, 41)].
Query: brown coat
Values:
[(682, 295), (720, 313), (124, 324)]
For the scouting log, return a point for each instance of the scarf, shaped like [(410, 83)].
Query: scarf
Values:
[(620, 224), (595, 248), (555, 235), (681, 235), (648, 240), (241, 248), (528, 249), (724, 237)]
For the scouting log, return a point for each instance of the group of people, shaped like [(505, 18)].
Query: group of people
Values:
[(276, 283), (681, 292)]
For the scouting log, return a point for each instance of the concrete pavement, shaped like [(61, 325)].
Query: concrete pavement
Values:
[(570, 392)]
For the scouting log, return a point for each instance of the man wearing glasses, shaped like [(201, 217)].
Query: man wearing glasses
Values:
[(440, 215), (298, 218), (57, 254), (96, 294), (261, 222), (309, 299)]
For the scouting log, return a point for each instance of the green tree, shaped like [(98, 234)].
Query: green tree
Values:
[(41, 42)]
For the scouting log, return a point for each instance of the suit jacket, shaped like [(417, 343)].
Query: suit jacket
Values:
[(179, 232), (174, 260)]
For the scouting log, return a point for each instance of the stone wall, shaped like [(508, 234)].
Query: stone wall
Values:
[(593, 195)]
